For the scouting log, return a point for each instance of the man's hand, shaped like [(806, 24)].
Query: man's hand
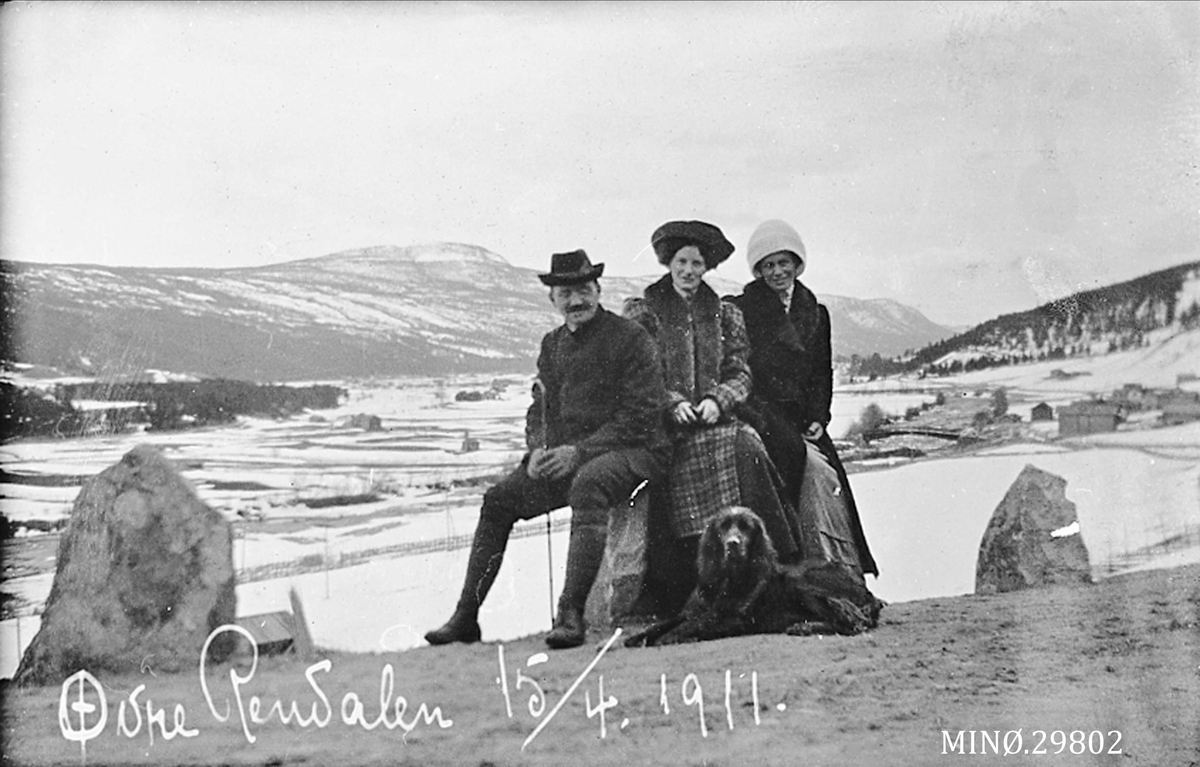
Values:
[(815, 431), (708, 411), (537, 461), (683, 413), (552, 463)]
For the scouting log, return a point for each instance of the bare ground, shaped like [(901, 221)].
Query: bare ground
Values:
[(1111, 668)]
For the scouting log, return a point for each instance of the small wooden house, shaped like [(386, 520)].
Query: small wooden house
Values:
[(1136, 397), (1180, 410), (1041, 412), (1080, 418), (469, 443)]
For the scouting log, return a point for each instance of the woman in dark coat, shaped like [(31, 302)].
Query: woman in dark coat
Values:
[(719, 461), (791, 361)]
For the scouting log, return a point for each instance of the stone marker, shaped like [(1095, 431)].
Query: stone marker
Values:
[(144, 573), (1033, 538)]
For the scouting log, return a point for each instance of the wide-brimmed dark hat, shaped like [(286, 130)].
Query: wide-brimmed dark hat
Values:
[(671, 236), (571, 269)]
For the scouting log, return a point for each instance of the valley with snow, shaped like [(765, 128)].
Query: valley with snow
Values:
[(372, 528)]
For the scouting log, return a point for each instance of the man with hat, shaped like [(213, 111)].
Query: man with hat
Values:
[(594, 433)]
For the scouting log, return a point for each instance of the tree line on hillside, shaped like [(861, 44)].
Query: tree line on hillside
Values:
[(876, 366), (1113, 318), (29, 412)]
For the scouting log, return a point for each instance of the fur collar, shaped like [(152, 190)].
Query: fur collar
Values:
[(767, 321), (689, 338)]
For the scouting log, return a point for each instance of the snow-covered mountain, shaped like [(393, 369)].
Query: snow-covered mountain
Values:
[(878, 325), (420, 310)]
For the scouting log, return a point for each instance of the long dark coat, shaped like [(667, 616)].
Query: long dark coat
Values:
[(791, 361)]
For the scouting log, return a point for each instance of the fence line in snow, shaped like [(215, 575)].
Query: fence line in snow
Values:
[(313, 563)]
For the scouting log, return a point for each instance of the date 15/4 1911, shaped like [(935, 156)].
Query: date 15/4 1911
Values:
[(1037, 743)]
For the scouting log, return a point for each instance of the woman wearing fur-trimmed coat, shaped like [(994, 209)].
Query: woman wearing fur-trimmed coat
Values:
[(791, 360), (719, 461)]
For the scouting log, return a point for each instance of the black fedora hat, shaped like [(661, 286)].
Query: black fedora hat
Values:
[(571, 269), (671, 236)]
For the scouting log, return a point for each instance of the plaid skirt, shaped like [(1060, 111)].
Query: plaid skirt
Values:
[(727, 465)]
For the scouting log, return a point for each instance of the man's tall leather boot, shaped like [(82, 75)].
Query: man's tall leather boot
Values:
[(487, 553), (584, 556)]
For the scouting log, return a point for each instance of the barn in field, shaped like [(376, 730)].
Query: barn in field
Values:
[(1080, 418), (1180, 407)]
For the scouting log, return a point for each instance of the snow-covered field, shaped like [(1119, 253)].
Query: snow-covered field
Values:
[(1137, 495)]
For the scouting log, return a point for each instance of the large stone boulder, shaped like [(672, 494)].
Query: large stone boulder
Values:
[(144, 573), (1033, 538)]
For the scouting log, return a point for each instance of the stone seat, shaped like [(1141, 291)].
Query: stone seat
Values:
[(619, 582)]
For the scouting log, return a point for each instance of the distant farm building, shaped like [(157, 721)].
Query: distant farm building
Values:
[(469, 443), (1058, 374), (1180, 407), (1081, 418), (1041, 412), (366, 422), (1136, 397), (1181, 412)]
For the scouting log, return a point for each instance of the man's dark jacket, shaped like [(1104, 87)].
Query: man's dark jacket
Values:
[(603, 389)]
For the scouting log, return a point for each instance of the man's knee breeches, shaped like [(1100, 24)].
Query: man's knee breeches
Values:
[(596, 486), (609, 480)]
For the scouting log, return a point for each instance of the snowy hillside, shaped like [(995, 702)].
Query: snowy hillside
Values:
[(376, 310), (1138, 314), (432, 309), (1158, 365)]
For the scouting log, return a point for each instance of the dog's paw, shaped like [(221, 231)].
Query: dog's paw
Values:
[(849, 617), (809, 628)]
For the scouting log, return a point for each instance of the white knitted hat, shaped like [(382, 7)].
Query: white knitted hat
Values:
[(771, 237)]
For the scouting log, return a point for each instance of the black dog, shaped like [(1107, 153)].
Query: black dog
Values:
[(743, 589)]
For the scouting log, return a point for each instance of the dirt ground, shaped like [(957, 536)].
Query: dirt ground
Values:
[(1106, 674)]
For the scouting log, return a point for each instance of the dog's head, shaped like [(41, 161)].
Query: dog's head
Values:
[(735, 540)]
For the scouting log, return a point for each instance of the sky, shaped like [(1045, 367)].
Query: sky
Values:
[(967, 159)]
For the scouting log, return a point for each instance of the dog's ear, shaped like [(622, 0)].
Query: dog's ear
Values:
[(762, 550), (709, 559)]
